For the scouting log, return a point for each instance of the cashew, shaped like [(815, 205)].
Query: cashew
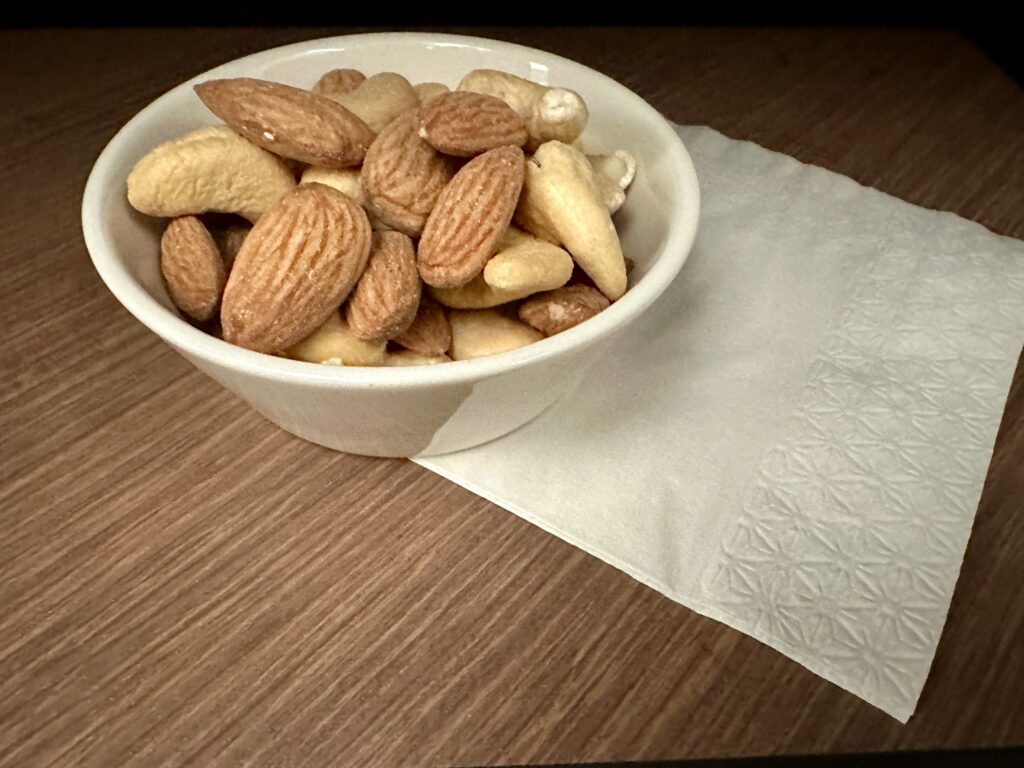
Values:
[(349, 181), (527, 264), (550, 113), (343, 179), (613, 174), (379, 99), (408, 357), (620, 167), (562, 202), (522, 266), (212, 169), (611, 195), (338, 81), (427, 92), (334, 344), (486, 332)]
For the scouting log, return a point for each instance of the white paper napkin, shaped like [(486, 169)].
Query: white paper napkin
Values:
[(794, 439)]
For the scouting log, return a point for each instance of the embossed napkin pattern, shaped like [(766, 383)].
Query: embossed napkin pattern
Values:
[(794, 439)]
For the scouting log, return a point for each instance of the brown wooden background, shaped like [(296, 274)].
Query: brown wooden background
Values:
[(180, 581)]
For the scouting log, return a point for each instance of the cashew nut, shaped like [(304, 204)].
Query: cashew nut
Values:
[(345, 180), (613, 174), (333, 343), (522, 266), (379, 99), (406, 357), (349, 181), (550, 113), (427, 92), (562, 202), (477, 333), (212, 169)]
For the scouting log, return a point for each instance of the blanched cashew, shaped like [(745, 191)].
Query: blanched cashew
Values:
[(611, 195), (620, 167), (343, 179), (522, 266), (527, 264), (613, 174), (212, 169), (349, 181), (561, 201), (477, 333), (406, 357), (379, 99), (333, 343), (427, 92), (550, 113)]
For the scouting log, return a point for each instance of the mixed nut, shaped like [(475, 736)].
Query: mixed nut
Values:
[(374, 222)]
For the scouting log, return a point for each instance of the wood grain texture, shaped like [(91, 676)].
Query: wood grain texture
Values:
[(181, 582)]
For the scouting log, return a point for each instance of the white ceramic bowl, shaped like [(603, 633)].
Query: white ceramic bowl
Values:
[(417, 410)]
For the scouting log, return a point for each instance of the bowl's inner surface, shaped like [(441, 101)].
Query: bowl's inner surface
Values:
[(618, 120)]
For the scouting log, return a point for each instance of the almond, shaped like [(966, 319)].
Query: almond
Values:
[(558, 310), (385, 300), (430, 334), (471, 214), (403, 176), (192, 267), (289, 122), (338, 81), (465, 124), (295, 267), (229, 240)]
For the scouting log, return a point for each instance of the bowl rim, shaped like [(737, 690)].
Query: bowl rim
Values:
[(668, 258)]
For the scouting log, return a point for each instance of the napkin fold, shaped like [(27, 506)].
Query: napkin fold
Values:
[(793, 440)]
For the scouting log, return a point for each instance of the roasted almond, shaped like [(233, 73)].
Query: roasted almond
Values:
[(385, 300), (555, 311), (192, 267), (430, 334), (290, 122), (229, 240), (403, 176), (465, 124), (338, 81), (295, 267), (471, 214)]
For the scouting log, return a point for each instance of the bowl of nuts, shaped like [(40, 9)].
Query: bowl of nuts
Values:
[(393, 244)]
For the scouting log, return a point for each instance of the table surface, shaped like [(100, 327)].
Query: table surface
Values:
[(180, 580)]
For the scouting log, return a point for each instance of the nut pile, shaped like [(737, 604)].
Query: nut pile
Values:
[(374, 222)]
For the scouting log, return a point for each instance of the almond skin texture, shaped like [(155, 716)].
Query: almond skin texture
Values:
[(295, 267), (289, 122), (385, 300), (471, 214), (192, 267), (466, 124), (338, 81), (403, 176), (558, 310), (430, 334), (229, 240)]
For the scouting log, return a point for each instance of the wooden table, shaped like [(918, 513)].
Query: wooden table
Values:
[(181, 581)]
